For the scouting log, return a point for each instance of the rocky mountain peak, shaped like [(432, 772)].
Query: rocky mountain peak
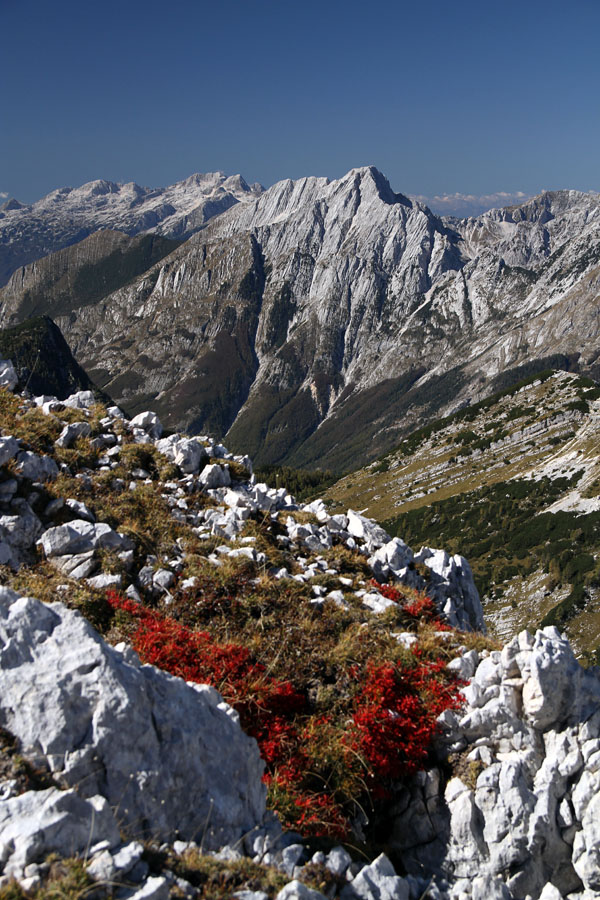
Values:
[(97, 188), (302, 302), (11, 204), (370, 179)]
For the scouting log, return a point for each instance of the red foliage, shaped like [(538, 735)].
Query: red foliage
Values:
[(396, 716), (388, 591), (421, 608), (392, 718)]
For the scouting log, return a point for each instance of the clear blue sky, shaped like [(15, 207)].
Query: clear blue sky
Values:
[(468, 97)]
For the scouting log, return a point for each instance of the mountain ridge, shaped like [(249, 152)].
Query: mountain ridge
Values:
[(317, 302), (67, 215)]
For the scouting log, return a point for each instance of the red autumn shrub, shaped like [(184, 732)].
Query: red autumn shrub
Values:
[(396, 715), (388, 591), (318, 766), (422, 607)]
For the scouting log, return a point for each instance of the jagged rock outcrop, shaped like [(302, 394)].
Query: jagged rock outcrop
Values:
[(510, 810), (524, 807), (81, 274)]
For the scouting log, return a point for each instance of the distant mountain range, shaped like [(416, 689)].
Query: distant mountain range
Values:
[(315, 322), (66, 216)]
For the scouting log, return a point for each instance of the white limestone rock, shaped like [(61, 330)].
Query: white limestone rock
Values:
[(81, 536), (163, 579), (154, 888), (378, 881), (452, 587), (80, 400), (169, 755), (551, 676), (366, 530), (296, 890), (38, 823), (392, 557), (532, 720), (80, 509), (79, 565), (187, 453), (22, 530), (337, 860), (149, 422), (376, 602), (8, 375), (106, 866), (215, 476), (550, 892), (9, 447), (250, 895), (71, 432), (486, 887), (34, 467), (104, 581)]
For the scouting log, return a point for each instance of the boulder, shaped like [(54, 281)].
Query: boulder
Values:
[(104, 581), (149, 422), (80, 400), (21, 531), (187, 453), (79, 565), (170, 756), (9, 447), (377, 881), (34, 467), (107, 866), (215, 476), (71, 432), (366, 530), (551, 677), (80, 509), (452, 587), (81, 536), (392, 557)]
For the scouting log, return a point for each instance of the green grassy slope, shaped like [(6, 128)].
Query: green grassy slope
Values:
[(513, 484)]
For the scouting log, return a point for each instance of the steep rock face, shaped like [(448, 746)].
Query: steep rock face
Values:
[(526, 235), (184, 334), (320, 309), (79, 275), (68, 215), (42, 359), (342, 264)]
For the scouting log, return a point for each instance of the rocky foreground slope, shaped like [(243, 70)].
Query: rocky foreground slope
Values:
[(319, 309), (476, 769)]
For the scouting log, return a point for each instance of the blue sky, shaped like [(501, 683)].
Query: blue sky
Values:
[(466, 98)]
